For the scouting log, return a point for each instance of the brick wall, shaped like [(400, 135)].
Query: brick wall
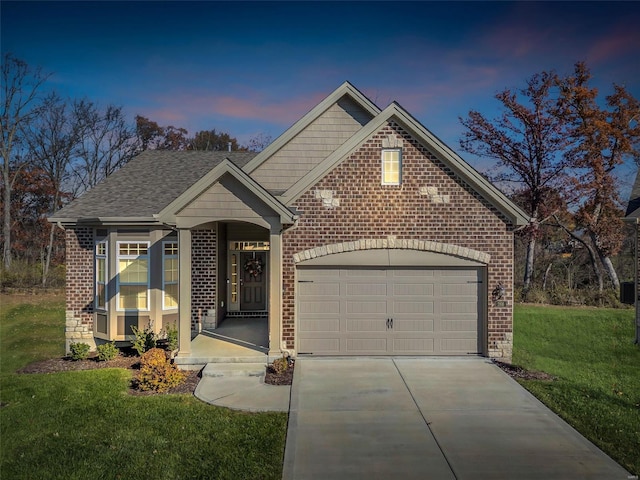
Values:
[(203, 274), (79, 286), (431, 204)]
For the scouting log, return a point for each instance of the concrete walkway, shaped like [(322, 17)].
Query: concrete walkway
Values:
[(428, 419)]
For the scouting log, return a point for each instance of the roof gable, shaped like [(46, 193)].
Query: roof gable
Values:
[(181, 204), (633, 207), (346, 89), (395, 112), (144, 186)]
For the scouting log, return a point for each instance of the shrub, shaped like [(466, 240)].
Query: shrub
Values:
[(280, 365), (157, 372), (145, 339), (107, 351), (171, 335), (79, 351)]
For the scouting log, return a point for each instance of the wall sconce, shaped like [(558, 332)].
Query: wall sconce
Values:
[(498, 292)]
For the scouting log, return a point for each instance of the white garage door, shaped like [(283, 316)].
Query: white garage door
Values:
[(390, 311)]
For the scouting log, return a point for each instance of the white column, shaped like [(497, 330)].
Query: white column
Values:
[(275, 292), (184, 315)]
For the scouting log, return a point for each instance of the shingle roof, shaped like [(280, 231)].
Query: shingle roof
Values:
[(633, 208), (147, 184)]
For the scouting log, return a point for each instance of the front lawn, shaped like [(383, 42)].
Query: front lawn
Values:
[(591, 352), (80, 425)]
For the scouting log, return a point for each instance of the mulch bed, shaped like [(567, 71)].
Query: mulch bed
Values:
[(518, 372), (130, 361)]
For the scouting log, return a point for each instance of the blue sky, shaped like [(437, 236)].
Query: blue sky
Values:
[(256, 67)]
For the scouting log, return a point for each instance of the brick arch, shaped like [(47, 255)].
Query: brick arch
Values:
[(392, 243)]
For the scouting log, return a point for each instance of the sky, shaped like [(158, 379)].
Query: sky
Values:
[(250, 68)]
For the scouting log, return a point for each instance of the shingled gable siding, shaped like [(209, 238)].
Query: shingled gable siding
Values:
[(368, 210), (79, 286), (203, 274), (312, 145)]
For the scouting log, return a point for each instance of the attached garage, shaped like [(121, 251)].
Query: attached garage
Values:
[(382, 306)]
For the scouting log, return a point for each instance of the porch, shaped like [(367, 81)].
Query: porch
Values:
[(238, 339)]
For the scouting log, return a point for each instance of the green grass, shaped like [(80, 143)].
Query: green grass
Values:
[(591, 352), (79, 425)]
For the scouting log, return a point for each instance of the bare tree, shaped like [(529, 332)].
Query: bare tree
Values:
[(52, 139), (20, 86), (259, 142), (106, 142), (526, 141)]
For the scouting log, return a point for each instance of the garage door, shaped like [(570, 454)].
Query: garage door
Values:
[(388, 311)]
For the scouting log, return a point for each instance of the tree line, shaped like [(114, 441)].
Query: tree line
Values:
[(55, 148), (555, 147)]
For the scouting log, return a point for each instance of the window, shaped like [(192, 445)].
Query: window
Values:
[(133, 275), (100, 301), (170, 275), (391, 166)]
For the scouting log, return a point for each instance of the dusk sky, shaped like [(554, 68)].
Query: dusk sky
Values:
[(257, 67)]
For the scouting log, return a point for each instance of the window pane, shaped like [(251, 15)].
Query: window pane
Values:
[(133, 271), (100, 270), (170, 248), (391, 167), (171, 295), (170, 269), (133, 297), (101, 296), (101, 249)]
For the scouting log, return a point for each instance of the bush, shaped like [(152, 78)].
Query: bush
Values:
[(145, 339), (157, 372), (107, 351), (280, 365), (79, 351), (171, 335)]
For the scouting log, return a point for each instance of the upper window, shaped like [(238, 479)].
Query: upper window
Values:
[(391, 166), (101, 276), (170, 275), (133, 275)]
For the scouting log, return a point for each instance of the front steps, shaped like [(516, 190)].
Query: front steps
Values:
[(217, 370)]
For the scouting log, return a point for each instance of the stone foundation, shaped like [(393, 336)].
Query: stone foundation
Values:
[(77, 332)]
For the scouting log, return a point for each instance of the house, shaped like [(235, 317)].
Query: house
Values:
[(633, 216), (356, 232)]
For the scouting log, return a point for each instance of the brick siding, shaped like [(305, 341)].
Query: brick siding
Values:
[(79, 285), (432, 204), (203, 274)]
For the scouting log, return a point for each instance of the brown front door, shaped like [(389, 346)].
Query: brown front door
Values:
[(253, 284)]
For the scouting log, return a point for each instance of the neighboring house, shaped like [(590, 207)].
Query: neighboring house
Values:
[(633, 216), (357, 232)]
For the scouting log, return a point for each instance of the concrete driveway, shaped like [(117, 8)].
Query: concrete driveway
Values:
[(410, 418)]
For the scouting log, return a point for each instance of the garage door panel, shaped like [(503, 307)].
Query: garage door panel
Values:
[(413, 289), (323, 325), (314, 307), (412, 307), (328, 346), (344, 311), (354, 325), (369, 308), (423, 325), (366, 346), (420, 346)]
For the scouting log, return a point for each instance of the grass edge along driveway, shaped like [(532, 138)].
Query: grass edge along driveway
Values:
[(591, 352), (79, 425)]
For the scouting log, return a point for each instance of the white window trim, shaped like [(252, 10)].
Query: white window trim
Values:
[(382, 171), (97, 257), (176, 256), (133, 257)]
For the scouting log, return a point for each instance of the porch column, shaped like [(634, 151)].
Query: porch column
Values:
[(275, 292), (184, 306)]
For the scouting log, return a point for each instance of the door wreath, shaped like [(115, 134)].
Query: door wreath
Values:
[(253, 267)]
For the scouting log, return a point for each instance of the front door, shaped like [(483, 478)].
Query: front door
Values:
[(253, 281)]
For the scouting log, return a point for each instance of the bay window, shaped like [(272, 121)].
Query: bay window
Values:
[(170, 275), (133, 275)]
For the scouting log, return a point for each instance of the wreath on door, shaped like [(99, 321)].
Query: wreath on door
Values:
[(253, 267)]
